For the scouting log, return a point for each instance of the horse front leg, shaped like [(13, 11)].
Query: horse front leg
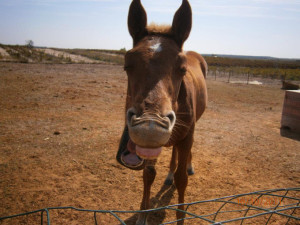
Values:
[(149, 174), (190, 167), (173, 166), (181, 174)]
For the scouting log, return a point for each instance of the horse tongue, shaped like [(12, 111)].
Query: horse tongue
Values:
[(148, 153), (131, 146)]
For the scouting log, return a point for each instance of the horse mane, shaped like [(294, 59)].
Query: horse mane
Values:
[(155, 29)]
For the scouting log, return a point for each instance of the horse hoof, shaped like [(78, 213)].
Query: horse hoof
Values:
[(190, 171), (141, 221), (168, 182), (138, 223)]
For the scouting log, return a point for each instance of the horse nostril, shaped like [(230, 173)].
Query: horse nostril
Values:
[(171, 117), (130, 113)]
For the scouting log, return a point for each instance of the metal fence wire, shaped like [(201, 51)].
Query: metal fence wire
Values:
[(276, 206)]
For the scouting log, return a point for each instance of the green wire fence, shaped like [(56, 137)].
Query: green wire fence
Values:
[(238, 209)]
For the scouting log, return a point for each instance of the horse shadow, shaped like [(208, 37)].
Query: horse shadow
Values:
[(162, 198)]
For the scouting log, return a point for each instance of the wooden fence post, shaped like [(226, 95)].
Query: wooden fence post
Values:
[(248, 77)]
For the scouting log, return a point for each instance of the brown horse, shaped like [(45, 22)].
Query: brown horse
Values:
[(166, 95)]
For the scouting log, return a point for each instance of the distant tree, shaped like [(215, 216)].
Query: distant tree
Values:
[(29, 43), (123, 50)]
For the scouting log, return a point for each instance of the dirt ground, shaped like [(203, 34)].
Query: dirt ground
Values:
[(59, 132)]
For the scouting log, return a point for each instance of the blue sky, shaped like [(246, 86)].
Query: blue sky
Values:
[(249, 27)]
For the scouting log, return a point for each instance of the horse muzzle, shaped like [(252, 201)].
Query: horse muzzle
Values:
[(149, 131)]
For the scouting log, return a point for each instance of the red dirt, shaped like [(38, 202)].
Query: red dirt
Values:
[(59, 132)]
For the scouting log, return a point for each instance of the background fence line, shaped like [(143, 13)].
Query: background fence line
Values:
[(245, 77)]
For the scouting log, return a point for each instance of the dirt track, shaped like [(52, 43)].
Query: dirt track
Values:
[(238, 147), (73, 58)]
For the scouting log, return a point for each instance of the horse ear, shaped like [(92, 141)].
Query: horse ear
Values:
[(182, 23), (137, 21)]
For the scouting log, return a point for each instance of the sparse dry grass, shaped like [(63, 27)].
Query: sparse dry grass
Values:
[(109, 56)]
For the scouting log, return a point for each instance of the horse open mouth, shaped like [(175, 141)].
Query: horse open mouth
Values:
[(129, 156), (133, 156), (126, 155)]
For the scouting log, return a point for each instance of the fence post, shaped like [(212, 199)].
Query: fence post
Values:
[(229, 74), (248, 77)]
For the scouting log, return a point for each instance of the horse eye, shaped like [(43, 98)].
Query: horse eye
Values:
[(183, 70), (125, 68)]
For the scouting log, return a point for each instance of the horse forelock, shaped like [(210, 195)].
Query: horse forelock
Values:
[(155, 29)]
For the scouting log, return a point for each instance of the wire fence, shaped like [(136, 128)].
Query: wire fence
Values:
[(276, 206), (230, 76)]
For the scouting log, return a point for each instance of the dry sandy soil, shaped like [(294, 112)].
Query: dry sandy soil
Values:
[(59, 132)]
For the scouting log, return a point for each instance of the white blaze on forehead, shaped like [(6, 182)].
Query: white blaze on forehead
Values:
[(156, 45)]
